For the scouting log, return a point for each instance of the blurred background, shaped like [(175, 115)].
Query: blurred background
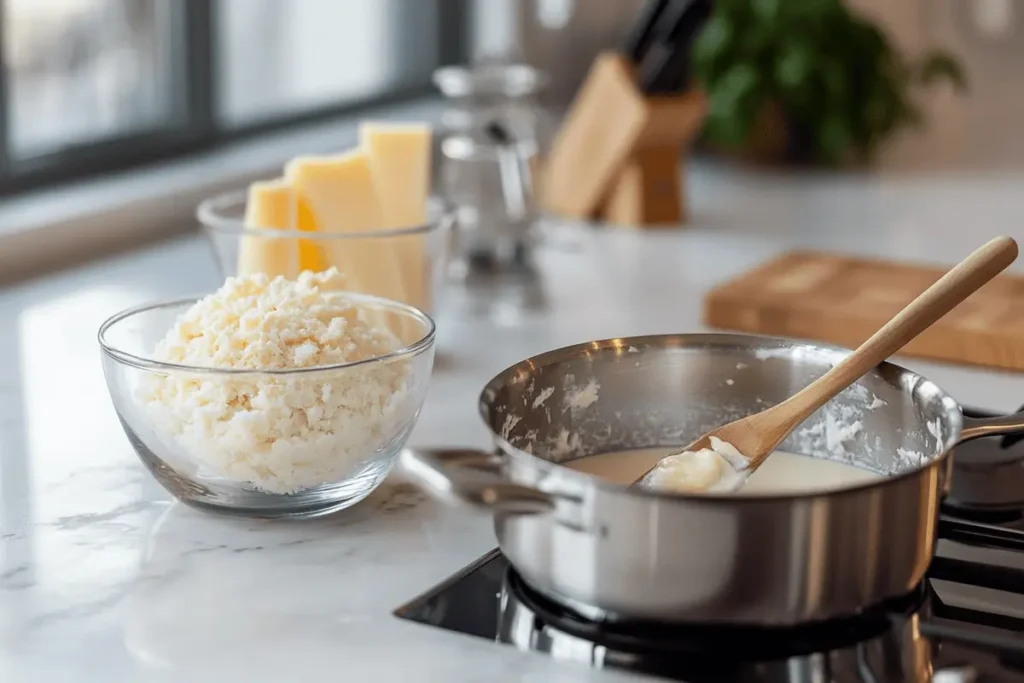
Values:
[(92, 88), (83, 75), (986, 37), (91, 84)]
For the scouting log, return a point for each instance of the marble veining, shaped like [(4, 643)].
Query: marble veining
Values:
[(103, 578)]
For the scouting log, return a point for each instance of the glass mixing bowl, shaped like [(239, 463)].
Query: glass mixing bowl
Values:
[(244, 441)]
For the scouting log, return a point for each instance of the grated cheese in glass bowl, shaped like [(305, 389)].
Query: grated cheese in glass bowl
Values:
[(269, 397)]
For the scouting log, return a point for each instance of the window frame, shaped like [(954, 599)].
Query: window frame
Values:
[(195, 35)]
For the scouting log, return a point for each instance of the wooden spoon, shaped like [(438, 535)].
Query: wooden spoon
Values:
[(756, 436)]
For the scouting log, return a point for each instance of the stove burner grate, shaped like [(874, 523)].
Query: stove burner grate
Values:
[(1013, 516), (942, 629)]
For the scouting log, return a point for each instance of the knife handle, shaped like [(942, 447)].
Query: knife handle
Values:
[(639, 37), (666, 64)]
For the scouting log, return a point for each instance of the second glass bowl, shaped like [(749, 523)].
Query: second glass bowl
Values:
[(404, 264)]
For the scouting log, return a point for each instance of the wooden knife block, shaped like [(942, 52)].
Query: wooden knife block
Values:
[(618, 155)]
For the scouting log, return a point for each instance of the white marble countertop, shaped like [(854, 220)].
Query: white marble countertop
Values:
[(103, 578)]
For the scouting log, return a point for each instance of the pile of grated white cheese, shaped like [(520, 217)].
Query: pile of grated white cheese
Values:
[(279, 433)]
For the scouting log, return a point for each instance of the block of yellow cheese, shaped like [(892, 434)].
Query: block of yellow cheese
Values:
[(311, 253), (271, 205), (340, 194), (399, 157)]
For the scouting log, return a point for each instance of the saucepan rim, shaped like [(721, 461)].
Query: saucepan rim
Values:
[(719, 340)]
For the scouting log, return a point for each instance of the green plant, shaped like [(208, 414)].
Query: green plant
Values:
[(831, 72)]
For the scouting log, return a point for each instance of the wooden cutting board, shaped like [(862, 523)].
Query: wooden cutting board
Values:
[(843, 300)]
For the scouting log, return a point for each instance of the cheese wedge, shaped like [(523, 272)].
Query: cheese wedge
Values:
[(311, 253), (399, 157), (270, 205), (340, 193)]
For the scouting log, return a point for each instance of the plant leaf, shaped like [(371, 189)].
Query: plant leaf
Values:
[(737, 86), (793, 65), (941, 65), (712, 46), (870, 41), (765, 10), (821, 63), (729, 131), (732, 105), (833, 138)]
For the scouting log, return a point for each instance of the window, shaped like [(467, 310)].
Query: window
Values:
[(281, 56), (107, 61), (95, 85)]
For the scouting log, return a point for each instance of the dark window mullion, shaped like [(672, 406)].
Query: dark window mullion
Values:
[(410, 37), (199, 86), (194, 126), (453, 28)]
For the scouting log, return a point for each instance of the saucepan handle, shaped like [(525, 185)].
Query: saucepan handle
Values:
[(473, 478), (976, 427)]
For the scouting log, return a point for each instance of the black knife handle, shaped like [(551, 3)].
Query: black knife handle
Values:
[(657, 68), (666, 65), (639, 37)]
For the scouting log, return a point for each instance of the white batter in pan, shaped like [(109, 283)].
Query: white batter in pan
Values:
[(781, 473)]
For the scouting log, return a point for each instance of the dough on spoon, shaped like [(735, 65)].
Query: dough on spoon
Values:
[(717, 469)]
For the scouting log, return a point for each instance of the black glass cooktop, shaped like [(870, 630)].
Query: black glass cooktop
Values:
[(965, 624), (947, 631)]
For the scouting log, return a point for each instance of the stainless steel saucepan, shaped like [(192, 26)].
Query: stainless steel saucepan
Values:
[(614, 552)]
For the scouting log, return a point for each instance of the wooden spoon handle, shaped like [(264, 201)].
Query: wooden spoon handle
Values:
[(963, 280)]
